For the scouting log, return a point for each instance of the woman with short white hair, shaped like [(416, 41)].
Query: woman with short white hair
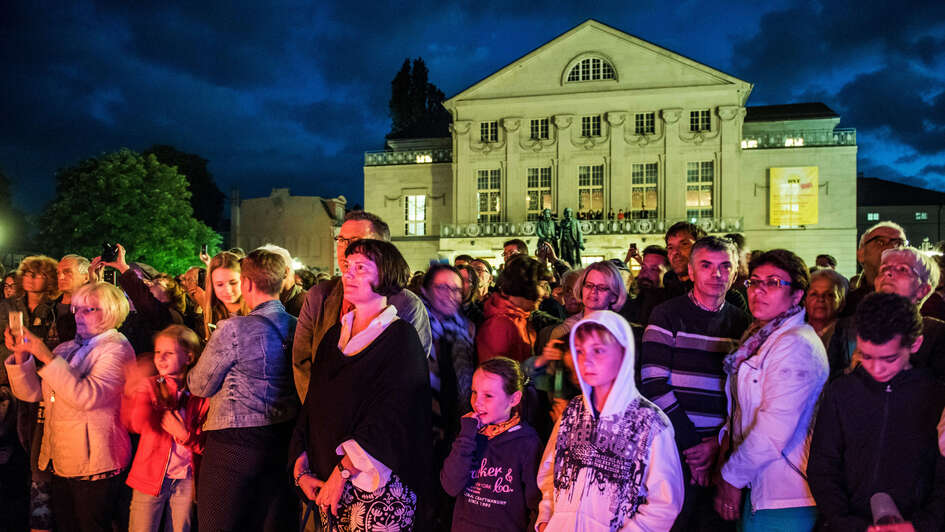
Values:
[(84, 444)]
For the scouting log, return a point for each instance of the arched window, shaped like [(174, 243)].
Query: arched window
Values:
[(592, 69)]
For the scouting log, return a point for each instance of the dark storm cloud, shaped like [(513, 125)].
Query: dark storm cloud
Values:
[(934, 169)]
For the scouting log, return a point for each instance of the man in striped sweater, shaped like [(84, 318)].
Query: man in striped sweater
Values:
[(683, 348)]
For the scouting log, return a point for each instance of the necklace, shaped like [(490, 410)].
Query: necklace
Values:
[(692, 297)]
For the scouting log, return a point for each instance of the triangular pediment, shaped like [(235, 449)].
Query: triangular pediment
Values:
[(639, 65)]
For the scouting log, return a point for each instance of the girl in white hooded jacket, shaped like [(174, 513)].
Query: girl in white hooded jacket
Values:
[(611, 463)]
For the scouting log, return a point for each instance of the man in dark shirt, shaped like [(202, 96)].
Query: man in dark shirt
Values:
[(72, 273)]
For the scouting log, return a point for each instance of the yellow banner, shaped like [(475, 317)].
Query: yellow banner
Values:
[(793, 196)]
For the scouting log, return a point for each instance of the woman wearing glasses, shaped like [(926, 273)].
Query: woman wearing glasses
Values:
[(774, 380), (80, 382)]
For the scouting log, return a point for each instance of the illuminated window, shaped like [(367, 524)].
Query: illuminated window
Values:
[(489, 195), (700, 181), (872, 217), (700, 120), (591, 69), (921, 216), (643, 190), (590, 126), (749, 143), (794, 142), (424, 158), (415, 215), (591, 188), (537, 191), (645, 124), (489, 131), (539, 129)]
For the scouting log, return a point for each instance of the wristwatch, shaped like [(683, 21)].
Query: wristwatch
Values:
[(345, 473)]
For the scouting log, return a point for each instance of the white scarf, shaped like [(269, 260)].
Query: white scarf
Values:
[(352, 345)]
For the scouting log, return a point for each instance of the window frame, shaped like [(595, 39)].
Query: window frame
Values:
[(489, 131), (493, 189), (414, 226), (700, 185), (539, 129), (540, 175), (591, 126), (642, 172), (591, 68), (589, 172), (700, 120), (644, 123)]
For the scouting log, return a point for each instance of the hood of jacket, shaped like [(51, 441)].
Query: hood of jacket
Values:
[(624, 390), (499, 305)]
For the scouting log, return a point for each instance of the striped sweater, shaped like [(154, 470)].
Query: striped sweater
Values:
[(683, 350)]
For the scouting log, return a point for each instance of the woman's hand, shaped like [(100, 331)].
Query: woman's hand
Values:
[(552, 351), (331, 492), (199, 296), (30, 344), (474, 415), (309, 485), (728, 500)]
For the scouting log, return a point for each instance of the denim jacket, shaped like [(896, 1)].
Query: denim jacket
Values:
[(246, 370)]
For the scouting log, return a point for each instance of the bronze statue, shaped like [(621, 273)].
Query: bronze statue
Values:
[(546, 230), (572, 241)]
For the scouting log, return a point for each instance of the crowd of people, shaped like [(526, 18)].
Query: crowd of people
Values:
[(698, 385)]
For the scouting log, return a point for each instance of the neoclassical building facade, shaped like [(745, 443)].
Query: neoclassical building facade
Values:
[(604, 123)]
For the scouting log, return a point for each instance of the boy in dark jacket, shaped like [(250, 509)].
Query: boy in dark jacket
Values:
[(876, 428)]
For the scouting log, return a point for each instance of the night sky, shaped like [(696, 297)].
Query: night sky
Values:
[(281, 94)]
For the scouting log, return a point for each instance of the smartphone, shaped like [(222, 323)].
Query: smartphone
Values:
[(203, 249), (633, 246), (16, 325), (109, 252), (109, 276)]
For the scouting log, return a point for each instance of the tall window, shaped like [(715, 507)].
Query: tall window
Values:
[(539, 129), (489, 131), (590, 126), (489, 195), (591, 188), (538, 191), (645, 124), (700, 180), (643, 190), (700, 120), (415, 215), (591, 69)]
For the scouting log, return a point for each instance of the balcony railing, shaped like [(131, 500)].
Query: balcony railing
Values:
[(389, 157), (801, 138), (588, 227)]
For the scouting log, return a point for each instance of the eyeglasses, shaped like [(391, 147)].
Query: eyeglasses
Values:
[(898, 270), (447, 289), (345, 241), (771, 283), (597, 287), (84, 310), (885, 242)]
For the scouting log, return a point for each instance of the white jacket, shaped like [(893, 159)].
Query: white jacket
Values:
[(778, 391), (83, 435), (589, 510)]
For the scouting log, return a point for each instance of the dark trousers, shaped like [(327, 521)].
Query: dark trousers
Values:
[(86, 505), (244, 483), (698, 513)]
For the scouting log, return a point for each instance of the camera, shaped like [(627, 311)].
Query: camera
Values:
[(109, 252)]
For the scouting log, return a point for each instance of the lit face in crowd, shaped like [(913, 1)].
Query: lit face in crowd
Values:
[(226, 285), (899, 277), (446, 292), (34, 281), (89, 317), (822, 302), (350, 231), (485, 278), (870, 254), (68, 277), (712, 273), (9, 287), (678, 248), (596, 293), (599, 356), (885, 361), (770, 292), (510, 251), (489, 400), (170, 358), (359, 279), (652, 270)]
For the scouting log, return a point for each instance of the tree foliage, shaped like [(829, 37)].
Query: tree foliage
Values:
[(131, 199), (416, 105), (206, 198), (12, 219)]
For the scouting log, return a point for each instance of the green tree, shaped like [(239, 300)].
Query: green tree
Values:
[(128, 198), (206, 198), (416, 105), (12, 219)]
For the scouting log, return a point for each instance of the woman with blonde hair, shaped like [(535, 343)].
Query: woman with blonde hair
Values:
[(85, 446), (223, 298)]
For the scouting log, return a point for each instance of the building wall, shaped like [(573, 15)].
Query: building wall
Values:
[(300, 224), (386, 187), (909, 217)]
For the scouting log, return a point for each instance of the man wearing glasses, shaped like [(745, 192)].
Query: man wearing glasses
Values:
[(876, 240), (324, 304)]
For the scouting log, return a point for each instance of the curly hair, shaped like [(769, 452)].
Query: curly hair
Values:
[(880, 317), (521, 276), (40, 265), (174, 291)]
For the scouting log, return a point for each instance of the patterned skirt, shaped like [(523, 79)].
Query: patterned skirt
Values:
[(390, 508)]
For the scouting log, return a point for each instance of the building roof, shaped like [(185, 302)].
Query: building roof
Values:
[(789, 111), (872, 191)]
